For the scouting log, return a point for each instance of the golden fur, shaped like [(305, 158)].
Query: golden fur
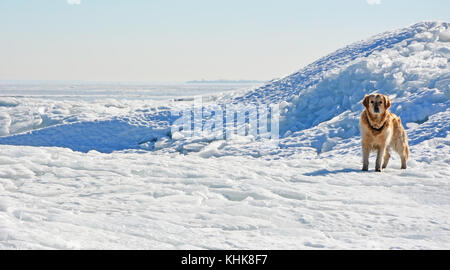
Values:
[(380, 131)]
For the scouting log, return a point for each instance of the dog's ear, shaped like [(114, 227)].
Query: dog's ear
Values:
[(365, 101), (387, 102)]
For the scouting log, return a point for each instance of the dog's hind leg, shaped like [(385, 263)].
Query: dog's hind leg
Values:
[(400, 144), (387, 155), (402, 148), (404, 156)]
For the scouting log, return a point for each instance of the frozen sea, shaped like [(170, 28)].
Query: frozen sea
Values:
[(90, 91)]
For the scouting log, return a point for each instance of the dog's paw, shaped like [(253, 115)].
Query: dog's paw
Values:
[(378, 169), (364, 169)]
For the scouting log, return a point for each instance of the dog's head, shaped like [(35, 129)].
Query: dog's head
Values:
[(376, 103)]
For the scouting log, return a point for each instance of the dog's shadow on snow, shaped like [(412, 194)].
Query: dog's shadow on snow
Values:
[(324, 172)]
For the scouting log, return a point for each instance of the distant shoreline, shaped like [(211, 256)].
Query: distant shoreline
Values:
[(225, 81)]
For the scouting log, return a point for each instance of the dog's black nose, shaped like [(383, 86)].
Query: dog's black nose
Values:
[(376, 109)]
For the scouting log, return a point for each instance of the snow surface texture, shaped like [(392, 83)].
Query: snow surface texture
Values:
[(56, 198), (112, 175)]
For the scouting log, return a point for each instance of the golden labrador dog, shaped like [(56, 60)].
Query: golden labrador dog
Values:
[(380, 131)]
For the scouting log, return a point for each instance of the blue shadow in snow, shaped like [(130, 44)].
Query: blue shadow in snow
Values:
[(327, 172), (103, 136)]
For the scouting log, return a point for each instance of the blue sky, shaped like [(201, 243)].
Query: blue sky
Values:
[(177, 40)]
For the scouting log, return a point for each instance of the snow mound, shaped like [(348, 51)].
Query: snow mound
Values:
[(323, 100), (8, 102)]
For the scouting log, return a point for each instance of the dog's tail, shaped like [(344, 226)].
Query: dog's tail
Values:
[(406, 144), (405, 139), (407, 151)]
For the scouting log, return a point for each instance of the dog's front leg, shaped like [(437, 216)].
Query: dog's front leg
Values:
[(380, 156), (365, 153)]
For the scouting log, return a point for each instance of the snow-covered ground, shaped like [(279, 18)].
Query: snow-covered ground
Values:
[(88, 172)]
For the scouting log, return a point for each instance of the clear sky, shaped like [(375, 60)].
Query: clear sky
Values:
[(178, 40)]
